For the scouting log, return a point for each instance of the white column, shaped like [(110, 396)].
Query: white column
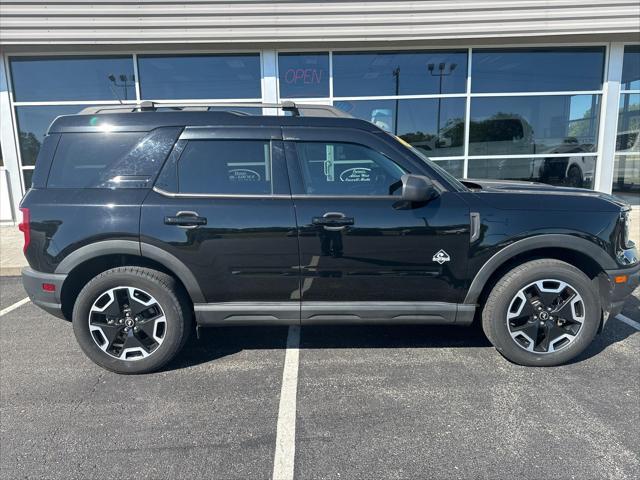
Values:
[(270, 80), (9, 145), (609, 119)]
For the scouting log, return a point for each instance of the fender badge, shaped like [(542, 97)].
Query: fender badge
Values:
[(441, 257)]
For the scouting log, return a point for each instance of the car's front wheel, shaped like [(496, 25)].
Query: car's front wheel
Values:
[(131, 319), (542, 313)]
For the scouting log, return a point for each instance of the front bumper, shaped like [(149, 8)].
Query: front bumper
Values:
[(49, 301), (620, 290)]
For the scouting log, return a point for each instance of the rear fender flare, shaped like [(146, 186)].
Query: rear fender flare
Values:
[(132, 247)]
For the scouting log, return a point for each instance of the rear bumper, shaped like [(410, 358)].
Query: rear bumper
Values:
[(48, 301), (619, 290)]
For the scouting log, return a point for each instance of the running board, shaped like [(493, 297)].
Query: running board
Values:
[(325, 313)]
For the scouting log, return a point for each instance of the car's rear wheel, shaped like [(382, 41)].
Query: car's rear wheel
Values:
[(542, 313), (131, 319)]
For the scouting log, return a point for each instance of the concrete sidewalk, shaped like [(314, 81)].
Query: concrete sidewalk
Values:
[(12, 259)]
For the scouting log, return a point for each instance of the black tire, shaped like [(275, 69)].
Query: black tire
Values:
[(496, 309), (164, 291)]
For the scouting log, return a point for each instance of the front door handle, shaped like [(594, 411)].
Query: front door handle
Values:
[(333, 221), (186, 219)]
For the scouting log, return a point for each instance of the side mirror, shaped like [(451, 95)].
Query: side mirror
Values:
[(418, 188)]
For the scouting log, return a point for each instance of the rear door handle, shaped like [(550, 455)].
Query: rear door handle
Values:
[(186, 219)]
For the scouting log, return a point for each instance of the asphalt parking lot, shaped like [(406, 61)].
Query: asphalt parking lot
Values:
[(372, 402)]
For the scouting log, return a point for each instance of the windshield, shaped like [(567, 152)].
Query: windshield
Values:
[(441, 171)]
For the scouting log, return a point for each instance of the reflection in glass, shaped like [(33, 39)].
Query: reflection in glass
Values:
[(399, 73), (434, 126), (537, 69), (40, 79), (454, 167), (631, 68), (27, 174), (533, 125), (628, 138), (199, 76), (303, 75), (572, 171), (626, 178), (33, 123)]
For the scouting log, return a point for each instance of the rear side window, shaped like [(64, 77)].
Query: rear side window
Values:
[(225, 167), (110, 160)]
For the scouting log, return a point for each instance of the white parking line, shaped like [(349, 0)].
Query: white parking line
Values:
[(14, 306), (628, 321), (283, 461)]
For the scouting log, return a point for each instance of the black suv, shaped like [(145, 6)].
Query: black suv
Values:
[(144, 224)]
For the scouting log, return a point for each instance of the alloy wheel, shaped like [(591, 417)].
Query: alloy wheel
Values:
[(127, 323), (545, 316)]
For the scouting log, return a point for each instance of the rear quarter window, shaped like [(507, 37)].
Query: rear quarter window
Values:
[(110, 159)]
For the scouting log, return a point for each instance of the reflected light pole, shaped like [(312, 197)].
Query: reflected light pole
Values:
[(442, 72), (125, 83), (396, 74)]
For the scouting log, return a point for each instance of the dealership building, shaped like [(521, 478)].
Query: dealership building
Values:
[(534, 90)]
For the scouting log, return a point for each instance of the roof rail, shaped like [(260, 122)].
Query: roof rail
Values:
[(296, 110)]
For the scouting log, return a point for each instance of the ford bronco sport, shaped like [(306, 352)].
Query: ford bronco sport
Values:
[(146, 223)]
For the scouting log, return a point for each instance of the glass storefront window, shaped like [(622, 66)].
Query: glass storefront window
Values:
[(573, 171), (434, 126), (27, 175), (399, 73), (72, 78), (628, 138), (33, 123), (303, 75), (537, 70), (199, 76), (534, 125), (631, 68), (626, 177)]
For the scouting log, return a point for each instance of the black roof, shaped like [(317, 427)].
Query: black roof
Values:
[(145, 121)]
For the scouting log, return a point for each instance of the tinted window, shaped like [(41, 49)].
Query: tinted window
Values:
[(631, 68), (434, 126), (404, 73), (199, 76), (85, 160), (345, 169), (628, 138), (33, 123), (537, 70), (72, 78), (537, 124), (574, 171), (225, 167), (303, 75)]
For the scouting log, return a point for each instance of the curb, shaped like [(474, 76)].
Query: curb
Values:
[(10, 272)]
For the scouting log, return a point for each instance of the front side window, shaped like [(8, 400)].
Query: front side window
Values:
[(227, 167), (346, 169)]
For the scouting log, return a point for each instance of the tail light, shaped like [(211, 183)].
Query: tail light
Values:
[(25, 227)]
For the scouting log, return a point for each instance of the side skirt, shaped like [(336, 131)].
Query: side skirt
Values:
[(326, 313)]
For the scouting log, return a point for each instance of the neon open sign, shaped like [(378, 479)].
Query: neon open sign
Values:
[(307, 76)]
